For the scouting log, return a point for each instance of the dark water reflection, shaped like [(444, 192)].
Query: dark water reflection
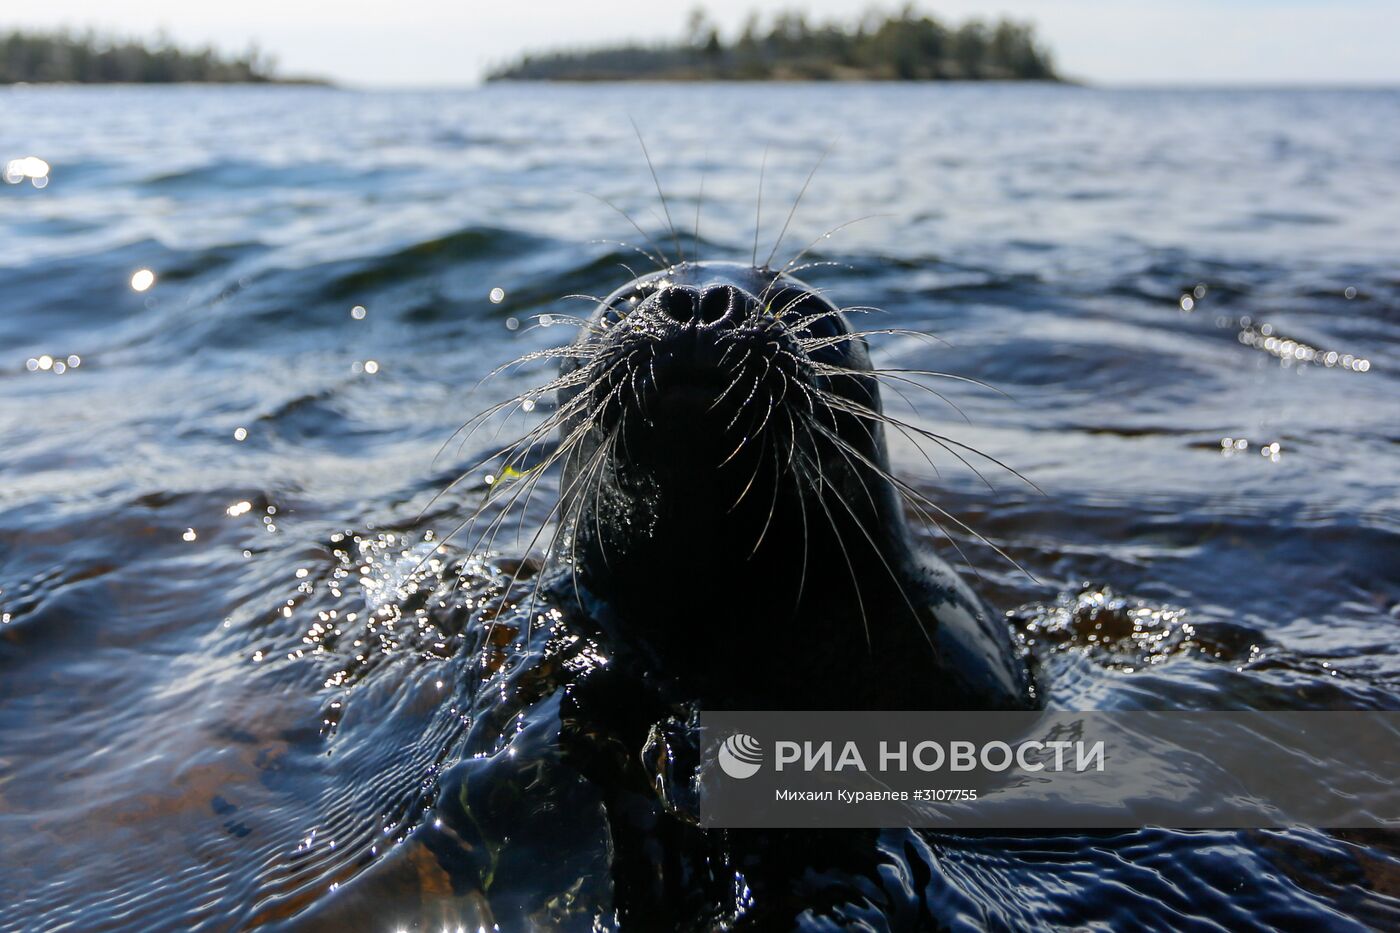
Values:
[(229, 693)]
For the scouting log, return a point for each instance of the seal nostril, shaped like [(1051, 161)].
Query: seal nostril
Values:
[(721, 302), (678, 302), (722, 306)]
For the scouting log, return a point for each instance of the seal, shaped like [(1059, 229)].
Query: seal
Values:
[(728, 534), (733, 523)]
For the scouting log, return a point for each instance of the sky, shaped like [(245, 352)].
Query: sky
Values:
[(419, 43)]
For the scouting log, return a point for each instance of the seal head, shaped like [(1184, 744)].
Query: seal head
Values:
[(735, 521)]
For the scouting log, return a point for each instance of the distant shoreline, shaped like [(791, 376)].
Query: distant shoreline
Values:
[(903, 46), (270, 83), (793, 79), (90, 58)]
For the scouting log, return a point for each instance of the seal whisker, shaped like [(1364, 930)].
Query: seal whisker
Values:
[(632, 372), (515, 577), (595, 472), (817, 265), (954, 376), (787, 267), (772, 506), (558, 454), (801, 296), (743, 441), (659, 193), (863, 412), (947, 443), (768, 411), (569, 351), (783, 394), (792, 213), (816, 343), (803, 475), (559, 318), (811, 319), (944, 512), (592, 475), (488, 500), (892, 375), (538, 472), (510, 407), (919, 385), (758, 381), (739, 410), (606, 455), (562, 452), (779, 314), (525, 490), (758, 209), (845, 553), (659, 257), (699, 200), (534, 436), (581, 481), (517, 404), (513, 404), (550, 318), (571, 518), (532, 482), (740, 369), (919, 510), (626, 245), (860, 526), (749, 485), (651, 365), (800, 363), (553, 385), (914, 409)]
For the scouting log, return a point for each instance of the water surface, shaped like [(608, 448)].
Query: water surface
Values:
[(232, 693)]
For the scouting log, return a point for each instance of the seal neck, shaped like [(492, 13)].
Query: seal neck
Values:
[(722, 598)]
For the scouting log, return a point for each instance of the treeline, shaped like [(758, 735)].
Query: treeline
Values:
[(903, 46), (89, 58)]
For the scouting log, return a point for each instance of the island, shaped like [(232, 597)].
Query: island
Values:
[(90, 58), (906, 45)]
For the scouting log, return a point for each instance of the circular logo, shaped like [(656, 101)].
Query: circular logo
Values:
[(740, 756)]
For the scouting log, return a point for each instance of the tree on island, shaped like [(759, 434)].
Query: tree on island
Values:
[(89, 58), (904, 46)]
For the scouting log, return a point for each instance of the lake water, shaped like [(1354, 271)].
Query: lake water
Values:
[(222, 705)]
